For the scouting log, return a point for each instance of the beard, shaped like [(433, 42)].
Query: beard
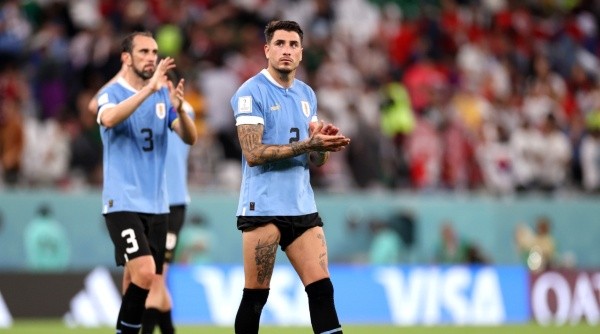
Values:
[(145, 75), (284, 70)]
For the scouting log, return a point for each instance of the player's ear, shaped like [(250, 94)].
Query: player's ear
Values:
[(126, 58)]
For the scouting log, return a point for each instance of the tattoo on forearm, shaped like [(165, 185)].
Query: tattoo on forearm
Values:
[(296, 147), (316, 142), (264, 257), (250, 137)]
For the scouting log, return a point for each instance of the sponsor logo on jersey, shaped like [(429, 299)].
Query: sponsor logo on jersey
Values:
[(275, 107), (305, 108), (161, 110)]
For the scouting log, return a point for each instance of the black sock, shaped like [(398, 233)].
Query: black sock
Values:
[(323, 316), (149, 320), (119, 320), (132, 309), (165, 322), (248, 314)]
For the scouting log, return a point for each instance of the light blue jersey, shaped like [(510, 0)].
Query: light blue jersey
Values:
[(135, 151), (176, 167), (280, 188)]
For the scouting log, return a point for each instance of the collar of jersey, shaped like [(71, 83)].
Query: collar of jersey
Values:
[(272, 80), (125, 84)]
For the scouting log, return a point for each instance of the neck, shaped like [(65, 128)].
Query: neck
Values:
[(134, 80), (285, 79)]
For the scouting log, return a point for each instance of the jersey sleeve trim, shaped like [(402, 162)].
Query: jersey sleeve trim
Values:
[(101, 110), (172, 117), (241, 120)]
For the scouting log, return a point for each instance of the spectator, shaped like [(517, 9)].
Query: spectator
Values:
[(356, 238), (218, 84), (451, 248), (47, 153), (12, 140), (496, 160), (195, 242), (590, 155), (499, 63), (363, 156), (386, 246), (527, 149), (47, 246), (537, 249), (86, 144), (424, 151), (555, 160), (14, 28)]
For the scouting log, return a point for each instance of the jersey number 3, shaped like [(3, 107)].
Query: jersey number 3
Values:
[(129, 234), (148, 139)]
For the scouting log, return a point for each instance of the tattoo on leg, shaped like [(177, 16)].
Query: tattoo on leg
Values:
[(322, 237), (265, 261), (323, 261)]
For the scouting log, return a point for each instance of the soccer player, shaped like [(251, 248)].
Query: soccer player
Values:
[(279, 133), (158, 304), (136, 113)]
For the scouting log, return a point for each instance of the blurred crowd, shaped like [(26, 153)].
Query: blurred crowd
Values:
[(497, 96)]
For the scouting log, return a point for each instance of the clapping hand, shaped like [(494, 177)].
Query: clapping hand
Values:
[(176, 94), (159, 79), (325, 138)]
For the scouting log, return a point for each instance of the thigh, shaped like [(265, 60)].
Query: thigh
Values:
[(127, 233), (259, 246), (308, 255)]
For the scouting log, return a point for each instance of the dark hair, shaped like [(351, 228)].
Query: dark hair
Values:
[(282, 25), (44, 210), (127, 43)]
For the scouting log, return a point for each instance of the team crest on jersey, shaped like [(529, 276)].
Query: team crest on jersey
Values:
[(161, 110), (305, 108)]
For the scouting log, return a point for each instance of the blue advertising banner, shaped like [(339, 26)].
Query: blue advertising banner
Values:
[(402, 295)]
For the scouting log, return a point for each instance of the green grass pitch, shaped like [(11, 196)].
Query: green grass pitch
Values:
[(56, 327)]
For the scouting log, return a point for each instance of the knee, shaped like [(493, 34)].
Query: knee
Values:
[(143, 277), (255, 297)]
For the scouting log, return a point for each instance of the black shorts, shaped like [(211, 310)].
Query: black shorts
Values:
[(290, 227), (176, 219), (137, 234)]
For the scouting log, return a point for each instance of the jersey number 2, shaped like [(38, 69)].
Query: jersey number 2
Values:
[(296, 136)]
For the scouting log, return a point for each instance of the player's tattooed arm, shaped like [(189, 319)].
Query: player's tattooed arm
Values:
[(257, 153)]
